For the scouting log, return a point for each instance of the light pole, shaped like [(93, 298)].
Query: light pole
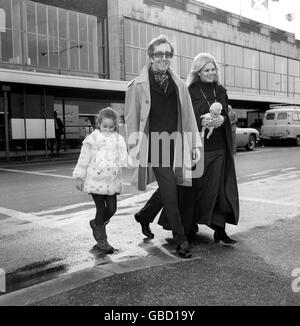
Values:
[(79, 46)]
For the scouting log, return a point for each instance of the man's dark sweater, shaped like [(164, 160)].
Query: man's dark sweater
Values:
[(163, 112)]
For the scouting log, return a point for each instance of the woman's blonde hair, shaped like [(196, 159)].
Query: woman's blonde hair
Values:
[(198, 63), (108, 113)]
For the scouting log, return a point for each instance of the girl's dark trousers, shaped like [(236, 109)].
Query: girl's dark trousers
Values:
[(106, 206)]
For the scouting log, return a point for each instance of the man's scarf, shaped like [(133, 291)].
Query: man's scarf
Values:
[(162, 78)]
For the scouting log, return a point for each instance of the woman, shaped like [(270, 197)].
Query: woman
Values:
[(213, 198)]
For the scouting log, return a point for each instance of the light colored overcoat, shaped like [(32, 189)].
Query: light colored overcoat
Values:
[(137, 109)]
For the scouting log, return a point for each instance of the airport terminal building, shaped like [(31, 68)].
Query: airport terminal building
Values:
[(76, 57)]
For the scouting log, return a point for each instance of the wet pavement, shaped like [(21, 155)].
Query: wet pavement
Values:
[(257, 271)]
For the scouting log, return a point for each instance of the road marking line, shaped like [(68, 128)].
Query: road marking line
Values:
[(62, 209), (37, 173), (254, 152), (287, 169), (260, 173), (66, 162), (44, 171), (273, 202)]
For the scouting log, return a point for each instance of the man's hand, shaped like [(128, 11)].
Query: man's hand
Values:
[(79, 184), (217, 122), (195, 155)]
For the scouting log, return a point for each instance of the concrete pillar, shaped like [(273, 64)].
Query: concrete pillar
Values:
[(116, 47), (115, 40)]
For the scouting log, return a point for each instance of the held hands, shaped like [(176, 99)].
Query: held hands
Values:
[(79, 184), (195, 155)]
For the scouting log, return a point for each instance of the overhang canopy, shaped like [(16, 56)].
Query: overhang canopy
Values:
[(114, 90), (259, 101), (67, 86)]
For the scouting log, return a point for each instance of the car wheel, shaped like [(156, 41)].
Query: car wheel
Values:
[(298, 140), (251, 143)]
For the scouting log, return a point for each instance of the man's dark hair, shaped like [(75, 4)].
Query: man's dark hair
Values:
[(161, 39)]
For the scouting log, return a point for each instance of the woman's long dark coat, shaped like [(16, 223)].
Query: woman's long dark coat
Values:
[(231, 190)]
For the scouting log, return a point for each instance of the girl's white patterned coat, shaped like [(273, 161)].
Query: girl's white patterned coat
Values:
[(100, 163)]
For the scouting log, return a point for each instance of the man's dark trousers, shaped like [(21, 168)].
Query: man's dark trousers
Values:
[(165, 196)]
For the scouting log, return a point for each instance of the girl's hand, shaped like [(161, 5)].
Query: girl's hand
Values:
[(217, 122), (79, 184)]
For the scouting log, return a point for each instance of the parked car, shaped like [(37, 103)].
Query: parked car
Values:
[(282, 123), (247, 138)]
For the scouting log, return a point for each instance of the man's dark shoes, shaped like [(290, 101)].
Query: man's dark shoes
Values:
[(183, 250), (145, 227), (192, 234), (222, 236)]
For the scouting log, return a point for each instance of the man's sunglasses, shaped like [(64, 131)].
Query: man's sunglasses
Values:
[(160, 55)]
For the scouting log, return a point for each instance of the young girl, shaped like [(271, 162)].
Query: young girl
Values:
[(98, 172)]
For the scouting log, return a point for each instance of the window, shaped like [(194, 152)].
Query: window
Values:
[(53, 52), (33, 33), (73, 26), (293, 67), (266, 62), (270, 116), (233, 55), (282, 116), (280, 65), (62, 18), (52, 21), (32, 49), (43, 51), (2, 20), (63, 54), (31, 17), (92, 26), (74, 55), (6, 46), (41, 19), (251, 59), (296, 117), (83, 28), (5, 6)]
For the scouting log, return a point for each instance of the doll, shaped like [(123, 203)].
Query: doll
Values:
[(214, 112)]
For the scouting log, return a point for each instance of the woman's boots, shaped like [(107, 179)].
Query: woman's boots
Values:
[(99, 233), (221, 235)]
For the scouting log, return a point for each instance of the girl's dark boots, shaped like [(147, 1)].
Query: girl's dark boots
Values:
[(99, 233)]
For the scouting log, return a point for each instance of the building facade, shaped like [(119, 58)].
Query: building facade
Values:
[(85, 43)]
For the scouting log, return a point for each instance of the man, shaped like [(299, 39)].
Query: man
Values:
[(59, 130), (233, 120), (158, 102)]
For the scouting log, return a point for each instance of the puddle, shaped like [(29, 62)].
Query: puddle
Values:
[(35, 273)]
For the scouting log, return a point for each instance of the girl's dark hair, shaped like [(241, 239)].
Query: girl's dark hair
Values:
[(107, 113)]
